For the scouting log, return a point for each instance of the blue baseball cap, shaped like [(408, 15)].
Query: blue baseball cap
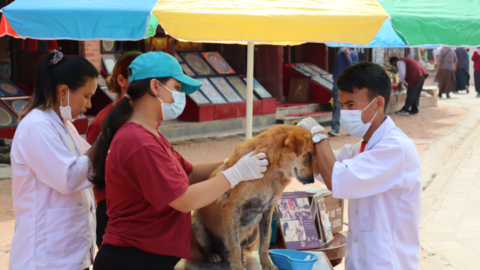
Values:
[(158, 65)]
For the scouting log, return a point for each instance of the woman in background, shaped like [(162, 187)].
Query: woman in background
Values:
[(461, 74), (476, 67), (118, 84), (447, 64)]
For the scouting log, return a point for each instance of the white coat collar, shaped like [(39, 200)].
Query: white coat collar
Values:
[(381, 131), (54, 116)]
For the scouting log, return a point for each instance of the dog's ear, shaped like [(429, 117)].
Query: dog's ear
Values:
[(295, 141)]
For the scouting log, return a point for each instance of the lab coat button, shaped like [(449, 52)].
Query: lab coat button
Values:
[(355, 240)]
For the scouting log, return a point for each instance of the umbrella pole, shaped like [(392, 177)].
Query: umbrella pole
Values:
[(249, 122)]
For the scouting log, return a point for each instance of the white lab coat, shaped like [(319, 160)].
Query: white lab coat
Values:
[(383, 186), (52, 198)]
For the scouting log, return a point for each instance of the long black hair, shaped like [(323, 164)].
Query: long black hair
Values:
[(72, 71), (119, 115)]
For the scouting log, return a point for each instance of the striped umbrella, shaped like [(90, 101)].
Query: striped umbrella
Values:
[(285, 22)]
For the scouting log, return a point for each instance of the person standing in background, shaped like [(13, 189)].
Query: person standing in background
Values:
[(461, 74), (118, 84), (345, 57), (476, 67), (411, 73), (447, 64), (436, 53)]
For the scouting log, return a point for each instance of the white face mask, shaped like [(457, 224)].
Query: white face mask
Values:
[(173, 110), (66, 112), (351, 121)]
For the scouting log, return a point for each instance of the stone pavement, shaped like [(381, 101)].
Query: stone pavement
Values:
[(450, 223)]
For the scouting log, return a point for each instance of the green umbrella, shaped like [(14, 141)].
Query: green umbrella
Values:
[(435, 22)]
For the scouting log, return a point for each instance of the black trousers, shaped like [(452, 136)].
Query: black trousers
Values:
[(462, 78), (413, 95), (102, 220), (127, 258), (476, 76)]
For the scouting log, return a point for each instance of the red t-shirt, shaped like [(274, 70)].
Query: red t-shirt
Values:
[(93, 132), (143, 175)]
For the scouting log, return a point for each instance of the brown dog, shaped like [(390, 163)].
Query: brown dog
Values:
[(241, 218)]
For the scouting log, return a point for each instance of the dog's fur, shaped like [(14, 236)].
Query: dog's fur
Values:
[(241, 218)]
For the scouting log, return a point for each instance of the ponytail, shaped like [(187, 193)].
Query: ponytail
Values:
[(72, 71), (119, 115)]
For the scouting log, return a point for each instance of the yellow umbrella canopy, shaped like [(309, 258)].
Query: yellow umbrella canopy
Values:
[(278, 22), (271, 21)]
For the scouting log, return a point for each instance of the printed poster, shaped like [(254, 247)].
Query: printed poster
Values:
[(296, 221)]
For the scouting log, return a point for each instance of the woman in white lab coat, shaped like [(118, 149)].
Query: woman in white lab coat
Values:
[(52, 198)]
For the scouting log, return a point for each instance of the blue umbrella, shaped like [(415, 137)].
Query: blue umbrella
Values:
[(79, 19)]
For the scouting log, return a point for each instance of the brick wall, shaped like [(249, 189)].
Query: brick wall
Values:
[(92, 53)]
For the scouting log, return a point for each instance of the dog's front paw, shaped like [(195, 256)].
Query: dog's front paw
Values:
[(269, 267), (238, 268), (214, 258)]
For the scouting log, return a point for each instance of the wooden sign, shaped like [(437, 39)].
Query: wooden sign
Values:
[(335, 207), (335, 213)]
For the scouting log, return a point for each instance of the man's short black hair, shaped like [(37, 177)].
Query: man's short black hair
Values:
[(393, 59), (368, 75)]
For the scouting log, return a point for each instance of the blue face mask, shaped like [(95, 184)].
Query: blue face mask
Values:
[(173, 110)]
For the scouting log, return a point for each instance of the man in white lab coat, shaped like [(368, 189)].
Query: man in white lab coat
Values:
[(380, 176)]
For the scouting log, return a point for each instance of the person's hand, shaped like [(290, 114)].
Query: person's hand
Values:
[(311, 125), (347, 52), (399, 87), (248, 168)]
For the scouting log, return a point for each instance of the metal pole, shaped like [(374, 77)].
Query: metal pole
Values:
[(249, 122)]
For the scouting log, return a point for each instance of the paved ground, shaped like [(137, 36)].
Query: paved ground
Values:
[(450, 225), (446, 138)]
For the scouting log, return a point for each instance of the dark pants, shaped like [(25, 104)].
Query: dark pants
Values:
[(102, 220), (336, 110), (462, 78), (127, 258), (413, 95), (476, 76)]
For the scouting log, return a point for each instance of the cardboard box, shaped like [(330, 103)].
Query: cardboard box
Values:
[(335, 207), (335, 210)]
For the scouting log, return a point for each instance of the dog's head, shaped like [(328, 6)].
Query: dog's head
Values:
[(289, 150), (297, 155)]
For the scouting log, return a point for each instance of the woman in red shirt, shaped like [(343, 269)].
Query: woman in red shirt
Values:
[(151, 189), (118, 84), (476, 67)]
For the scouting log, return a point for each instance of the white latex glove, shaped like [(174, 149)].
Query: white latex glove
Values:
[(247, 168), (311, 125)]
